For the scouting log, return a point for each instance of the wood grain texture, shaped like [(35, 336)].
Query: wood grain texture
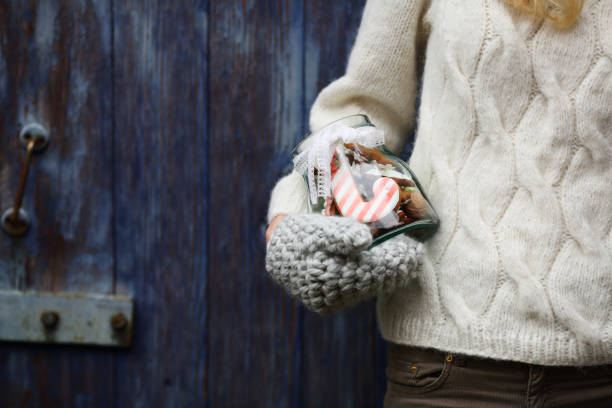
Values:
[(346, 351), (161, 189), (256, 74), (171, 122), (56, 60), (55, 69)]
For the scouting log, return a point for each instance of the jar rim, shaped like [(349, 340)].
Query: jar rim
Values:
[(365, 122)]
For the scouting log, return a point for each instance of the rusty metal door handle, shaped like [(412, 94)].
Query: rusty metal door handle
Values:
[(15, 220)]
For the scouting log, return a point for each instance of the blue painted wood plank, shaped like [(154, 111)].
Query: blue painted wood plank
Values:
[(256, 97), (206, 101), (55, 69), (343, 368), (161, 198), (57, 72)]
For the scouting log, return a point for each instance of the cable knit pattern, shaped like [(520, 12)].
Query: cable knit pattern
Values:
[(514, 149), (324, 261)]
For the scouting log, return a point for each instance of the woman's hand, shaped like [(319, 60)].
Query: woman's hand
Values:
[(272, 226), (326, 262)]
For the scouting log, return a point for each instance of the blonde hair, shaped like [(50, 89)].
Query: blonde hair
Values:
[(563, 13)]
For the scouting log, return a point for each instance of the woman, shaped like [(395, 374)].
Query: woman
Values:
[(512, 302)]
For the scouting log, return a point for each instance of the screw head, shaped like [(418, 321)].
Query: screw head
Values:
[(118, 321), (49, 319), (37, 132), (15, 227)]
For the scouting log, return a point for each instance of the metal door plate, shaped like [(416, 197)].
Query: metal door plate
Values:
[(49, 317)]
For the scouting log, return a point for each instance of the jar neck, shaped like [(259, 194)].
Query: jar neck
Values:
[(354, 121)]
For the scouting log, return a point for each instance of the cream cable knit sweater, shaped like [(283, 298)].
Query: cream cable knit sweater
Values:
[(514, 149)]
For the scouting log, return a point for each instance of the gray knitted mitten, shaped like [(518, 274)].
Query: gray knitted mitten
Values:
[(324, 261)]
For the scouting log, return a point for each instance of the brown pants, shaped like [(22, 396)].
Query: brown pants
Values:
[(422, 377)]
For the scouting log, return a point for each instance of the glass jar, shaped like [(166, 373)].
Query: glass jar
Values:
[(374, 186)]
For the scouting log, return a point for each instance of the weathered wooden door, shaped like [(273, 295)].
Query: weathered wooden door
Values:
[(169, 123)]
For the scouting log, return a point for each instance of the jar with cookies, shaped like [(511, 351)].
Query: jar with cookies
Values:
[(349, 172)]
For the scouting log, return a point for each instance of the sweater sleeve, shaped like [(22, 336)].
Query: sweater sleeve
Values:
[(380, 81)]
